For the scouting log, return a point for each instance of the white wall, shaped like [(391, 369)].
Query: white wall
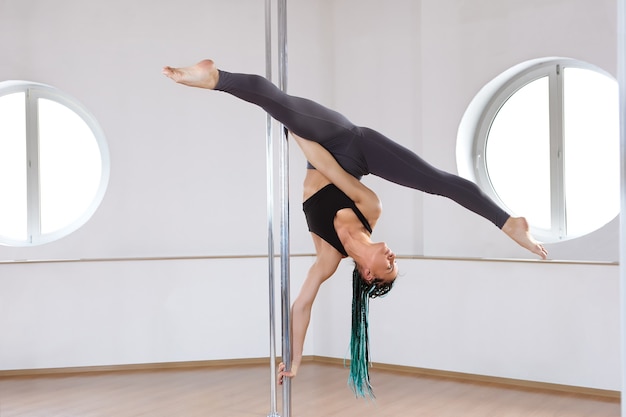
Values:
[(126, 312), (464, 46), (408, 69), (548, 322)]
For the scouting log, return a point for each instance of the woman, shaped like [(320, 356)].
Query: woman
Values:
[(341, 153)]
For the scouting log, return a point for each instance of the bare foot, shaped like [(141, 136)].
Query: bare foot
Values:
[(517, 229), (204, 74)]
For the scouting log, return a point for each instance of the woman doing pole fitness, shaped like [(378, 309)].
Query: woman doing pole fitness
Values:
[(340, 211)]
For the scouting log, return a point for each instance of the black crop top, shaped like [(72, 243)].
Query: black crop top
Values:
[(320, 210)]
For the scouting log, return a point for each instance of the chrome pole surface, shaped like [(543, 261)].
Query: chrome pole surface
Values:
[(284, 196), (621, 78), (269, 155)]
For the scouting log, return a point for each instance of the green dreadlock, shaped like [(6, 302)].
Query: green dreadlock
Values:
[(359, 380)]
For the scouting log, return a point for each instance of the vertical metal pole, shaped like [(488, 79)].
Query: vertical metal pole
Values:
[(284, 175), (621, 78), (269, 154)]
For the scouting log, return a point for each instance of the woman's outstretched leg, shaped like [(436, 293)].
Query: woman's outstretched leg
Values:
[(393, 162), (303, 117)]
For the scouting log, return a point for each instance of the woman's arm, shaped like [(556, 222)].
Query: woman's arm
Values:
[(324, 267), (327, 165)]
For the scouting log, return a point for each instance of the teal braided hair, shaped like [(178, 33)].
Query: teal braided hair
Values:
[(359, 379)]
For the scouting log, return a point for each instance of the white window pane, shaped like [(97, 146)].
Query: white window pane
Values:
[(13, 206), (591, 150), (70, 165), (518, 153)]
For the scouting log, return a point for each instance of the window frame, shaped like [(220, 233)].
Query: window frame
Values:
[(33, 93), (485, 107)]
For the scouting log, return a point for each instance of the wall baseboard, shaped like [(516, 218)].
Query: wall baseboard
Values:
[(157, 366), (517, 383), (433, 373)]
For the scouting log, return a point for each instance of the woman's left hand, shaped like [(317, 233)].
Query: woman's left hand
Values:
[(286, 374)]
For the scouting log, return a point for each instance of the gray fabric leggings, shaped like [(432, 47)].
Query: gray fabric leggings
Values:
[(359, 150)]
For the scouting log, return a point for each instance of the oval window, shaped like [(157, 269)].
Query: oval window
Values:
[(545, 145), (54, 164)]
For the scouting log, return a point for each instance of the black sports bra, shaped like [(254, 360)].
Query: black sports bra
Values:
[(320, 210)]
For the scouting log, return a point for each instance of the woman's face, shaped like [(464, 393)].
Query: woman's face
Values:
[(383, 264)]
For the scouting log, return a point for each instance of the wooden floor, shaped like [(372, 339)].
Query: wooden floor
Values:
[(243, 391)]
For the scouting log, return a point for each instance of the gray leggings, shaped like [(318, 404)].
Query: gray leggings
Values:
[(359, 150)]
